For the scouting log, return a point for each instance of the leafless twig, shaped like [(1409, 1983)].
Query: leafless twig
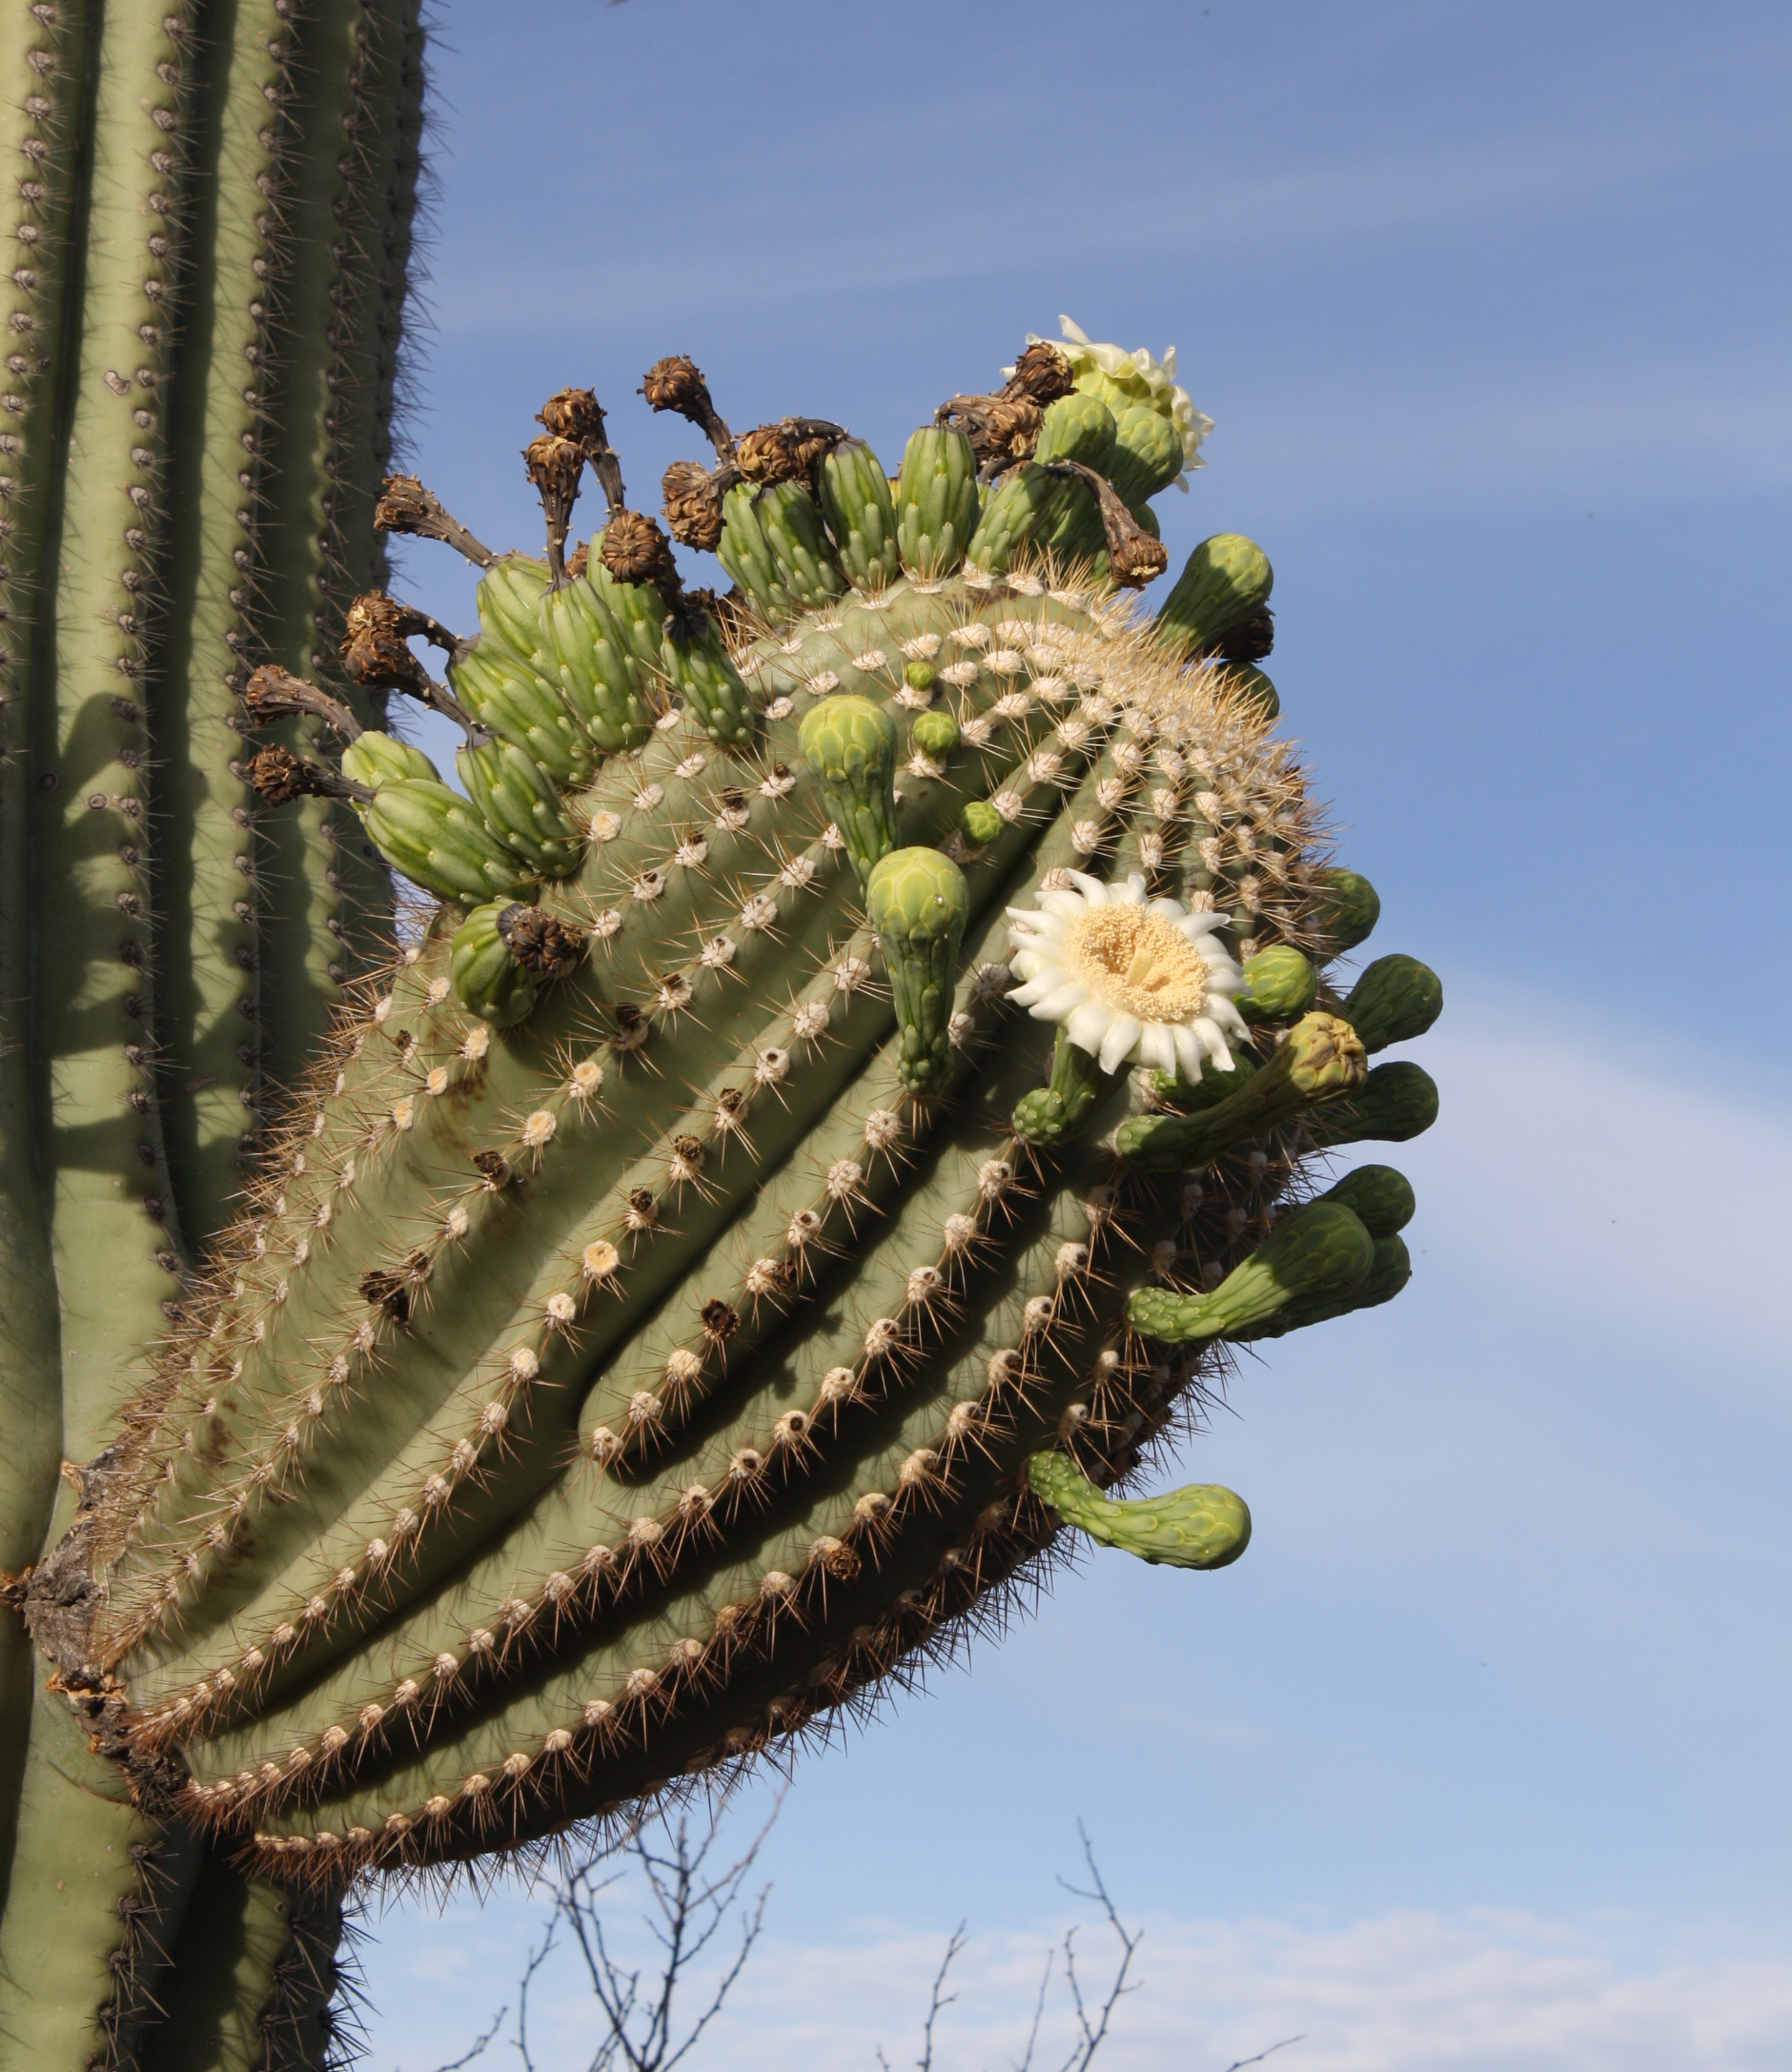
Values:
[(1238, 2063), (478, 2050), (937, 1998), (1092, 2033)]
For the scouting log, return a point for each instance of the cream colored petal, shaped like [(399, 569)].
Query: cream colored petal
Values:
[(1088, 1025), (1123, 1033)]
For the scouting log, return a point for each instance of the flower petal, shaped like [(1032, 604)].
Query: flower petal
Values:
[(1088, 1027), (1123, 1033)]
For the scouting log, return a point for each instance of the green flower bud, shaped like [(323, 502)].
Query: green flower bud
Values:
[(1225, 581), (1077, 427), (1320, 1059), (522, 806), (1248, 682), (919, 903), (936, 503), (1346, 908), (1201, 1526), (1379, 1198), (980, 822), (861, 514), (1390, 1269), (1054, 1113), (1281, 985), (935, 733), (1398, 1102), (1397, 999), (1147, 455), (375, 758), (920, 675), (1212, 1087), (1319, 1250), (850, 744), (438, 841), (488, 978)]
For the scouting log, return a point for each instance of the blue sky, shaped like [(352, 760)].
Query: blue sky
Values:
[(1478, 1758)]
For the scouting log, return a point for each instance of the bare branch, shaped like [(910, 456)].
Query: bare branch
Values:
[(1094, 2033), (1238, 2063), (1039, 2010), (479, 2049)]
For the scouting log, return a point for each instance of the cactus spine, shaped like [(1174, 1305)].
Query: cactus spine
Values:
[(683, 1283)]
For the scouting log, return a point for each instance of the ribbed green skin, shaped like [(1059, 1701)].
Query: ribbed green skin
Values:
[(210, 238), (861, 514), (936, 503)]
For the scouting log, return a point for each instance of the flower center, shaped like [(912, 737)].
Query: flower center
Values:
[(1138, 962)]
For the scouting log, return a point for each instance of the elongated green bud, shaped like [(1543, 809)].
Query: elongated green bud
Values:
[(1390, 1269), (1224, 580), (439, 842), (1281, 985), (1077, 427), (936, 503), (608, 684), (1147, 453), (509, 601), (1348, 908), (934, 733), (1381, 1199), (1054, 1113), (701, 668), (1019, 512), (861, 514), (1398, 1102), (1201, 1526), (850, 744), (514, 702), (919, 903), (1248, 682), (490, 981), (1397, 999), (375, 758), (1319, 1250), (1319, 1060), (522, 806), (774, 545)]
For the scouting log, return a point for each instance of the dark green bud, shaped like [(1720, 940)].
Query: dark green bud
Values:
[(861, 514), (1379, 1198), (1346, 908), (1248, 682), (438, 841), (1212, 1087), (918, 903), (1077, 427), (1397, 999), (1054, 1113), (935, 733), (1019, 511), (851, 745), (514, 701), (1226, 580), (1390, 1269), (1201, 1526), (1280, 985), (1147, 453), (488, 978), (522, 806), (1319, 1251), (1398, 1102)]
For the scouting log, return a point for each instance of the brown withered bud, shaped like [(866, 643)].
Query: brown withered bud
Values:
[(676, 384), (555, 466), (788, 451), (495, 1169), (693, 505), (274, 693), (572, 414), (1251, 639), (406, 506), (538, 942), (1133, 556), (577, 561), (279, 776), (1042, 372), (376, 655), (386, 1290), (635, 550), (375, 611), (721, 1321), (1008, 430)]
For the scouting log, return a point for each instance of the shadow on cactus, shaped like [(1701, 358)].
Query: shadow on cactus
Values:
[(861, 1073)]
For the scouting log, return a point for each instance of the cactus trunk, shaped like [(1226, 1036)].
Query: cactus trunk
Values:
[(574, 1343)]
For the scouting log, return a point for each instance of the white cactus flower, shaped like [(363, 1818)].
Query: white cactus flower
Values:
[(1128, 979), (1137, 378)]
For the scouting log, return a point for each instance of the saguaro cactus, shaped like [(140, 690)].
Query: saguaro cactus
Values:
[(854, 1072)]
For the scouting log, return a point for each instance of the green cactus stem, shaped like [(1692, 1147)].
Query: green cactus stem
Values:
[(1200, 1526), (1320, 1060), (919, 903)]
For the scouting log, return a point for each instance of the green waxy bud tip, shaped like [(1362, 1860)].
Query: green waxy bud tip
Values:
[(1397, 999), (1380, 1199), (917, 895), (935, 733), (920, 675), (851, 745), (1280, 985), (1346, 908), (1201, 1526), (980, 822)]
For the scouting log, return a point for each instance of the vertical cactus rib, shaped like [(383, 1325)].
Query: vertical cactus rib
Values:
[(208, 885), (114, 1222)]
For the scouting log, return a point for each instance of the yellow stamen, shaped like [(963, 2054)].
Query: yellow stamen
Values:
[(1138, 962)]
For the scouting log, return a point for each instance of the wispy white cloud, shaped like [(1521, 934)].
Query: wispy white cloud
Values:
[(1399, 1991)]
